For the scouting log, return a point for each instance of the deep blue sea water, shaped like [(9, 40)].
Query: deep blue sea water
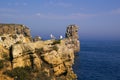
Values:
[(98, 60)]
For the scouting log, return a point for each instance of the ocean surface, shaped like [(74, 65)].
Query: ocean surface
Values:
[(98, 60)]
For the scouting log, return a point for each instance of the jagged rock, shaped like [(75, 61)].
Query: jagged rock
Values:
[(59, 70), (13, 33), (52, 58), (8, 40), (27, 60), (72, 32), (72, 36), (14, 29), (22, 49), (26, 48)]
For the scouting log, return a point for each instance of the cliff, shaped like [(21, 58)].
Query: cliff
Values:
[(45, 60)]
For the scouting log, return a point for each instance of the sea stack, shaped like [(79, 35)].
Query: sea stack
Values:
[(73, 37)]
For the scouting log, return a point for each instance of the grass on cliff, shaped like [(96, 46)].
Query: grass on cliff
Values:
[(5, 56), (55, 48), (27, 73), (18, 42), (21, 73), (56, 42), (1, 64)]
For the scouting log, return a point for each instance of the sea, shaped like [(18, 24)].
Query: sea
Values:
[(98, 60)]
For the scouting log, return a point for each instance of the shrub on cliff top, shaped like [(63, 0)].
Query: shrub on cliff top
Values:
[(18, 42), (5, 56), (1, 64), (56, 42), (55, 48)]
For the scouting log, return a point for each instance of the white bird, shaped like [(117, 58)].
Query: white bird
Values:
[(39, 37), (61, 36), (51, 36)]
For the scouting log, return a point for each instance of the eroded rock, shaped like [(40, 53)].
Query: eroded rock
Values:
[(14, 29)]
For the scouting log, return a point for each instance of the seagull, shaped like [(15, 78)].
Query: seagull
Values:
[(51, 36), (61, 36)]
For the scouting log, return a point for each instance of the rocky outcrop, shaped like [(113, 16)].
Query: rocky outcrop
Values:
[(51, 59), (72, 32), (13, 33), (14, 29), (73, 37)]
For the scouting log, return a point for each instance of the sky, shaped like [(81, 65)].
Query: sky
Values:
[(97, 19)]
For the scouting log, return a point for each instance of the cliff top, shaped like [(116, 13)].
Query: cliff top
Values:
[(14, 29)]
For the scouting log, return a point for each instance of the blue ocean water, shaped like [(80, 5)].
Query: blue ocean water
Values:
[(98, 60)]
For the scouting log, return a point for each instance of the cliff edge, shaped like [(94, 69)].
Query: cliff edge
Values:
[(23, 59)]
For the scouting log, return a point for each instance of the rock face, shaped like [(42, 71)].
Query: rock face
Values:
[(14, 29), (13, 33), (72, 36), (72, 32), (51, 59)]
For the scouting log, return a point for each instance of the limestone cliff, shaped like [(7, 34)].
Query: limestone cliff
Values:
[(44, 60)]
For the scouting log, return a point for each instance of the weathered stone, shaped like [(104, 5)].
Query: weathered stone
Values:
[(22, 49), (52, 58), (59, 70), (14, 29), (14, 33), (27, 60), (72, 38), (72, 32)]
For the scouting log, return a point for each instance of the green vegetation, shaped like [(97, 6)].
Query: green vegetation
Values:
[(1, 64), (27, 73), (55, 48), (18, 42), (56, 42), (5, 56), (21, 73), (39, 50)]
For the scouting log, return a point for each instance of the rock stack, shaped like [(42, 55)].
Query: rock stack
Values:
[(72, 32), (73, 37)]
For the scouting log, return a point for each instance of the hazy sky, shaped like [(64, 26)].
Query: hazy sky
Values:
[(97, 19)]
